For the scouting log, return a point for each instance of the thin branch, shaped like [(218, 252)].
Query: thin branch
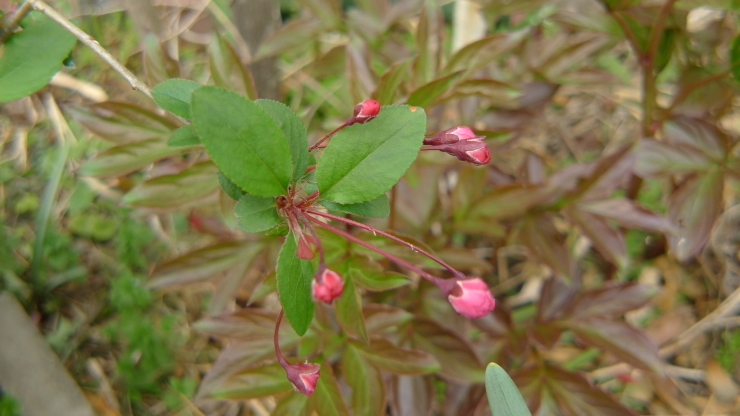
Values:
[(656, 32), (91, 43), (454, 271), (13, 21)]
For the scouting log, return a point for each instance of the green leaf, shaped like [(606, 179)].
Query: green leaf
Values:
[(126, 158), (32, 56), (173, 95), (294, 277), (327, 398), (233, 191), (295, 404), (256, 214), (735, 58), (368, 388), (376, 208), (227, 69), (369, 274), (363, 161), (349, 310), (397, 360), (193, 183), (243, 140), (503, 395), (184, 136), (428, 92), (294, 131)]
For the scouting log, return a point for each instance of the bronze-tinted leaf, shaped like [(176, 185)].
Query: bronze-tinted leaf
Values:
[(539, 234), (694, 207), (607, 175), (368, 388), (127, 158), (193, 183), (628, 214), (349, 310), (555, 296), (243, 324), (327, 397), (454, 353), (381, 317), (389, 357), (412, 396), (479, 53), (699, 134), (252, 383), (611, 299), (619, 338), (508, 201), (197, 265), (388, 84), (294, 404), (158, 64), (122, 122), (608, 240), (551, 390), (227, 69), (655, 158), (427, 93), (296, 33)]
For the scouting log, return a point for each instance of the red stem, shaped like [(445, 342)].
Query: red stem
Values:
[(436, 280), (283, 362), (454, 271), (323, 139)]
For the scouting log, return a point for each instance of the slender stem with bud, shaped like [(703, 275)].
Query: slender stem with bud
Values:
[(454, 271), (283, 362), (441, 283), (323, 139)]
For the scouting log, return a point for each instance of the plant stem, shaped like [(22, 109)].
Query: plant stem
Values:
[(454, 271), (323, 139), (283, 362), (647, 60), (14, 20), (434, 279), (91, 43)]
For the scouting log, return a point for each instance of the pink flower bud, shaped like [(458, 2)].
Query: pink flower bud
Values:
[(327, 285), (304, 251), (473, 151), (451, 136), (471, 298), (303, 376), (365, 111)]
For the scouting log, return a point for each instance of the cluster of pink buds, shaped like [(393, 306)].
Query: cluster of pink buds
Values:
[(462, 143), (468, 296)]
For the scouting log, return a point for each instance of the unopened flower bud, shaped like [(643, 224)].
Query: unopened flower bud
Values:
[(303, 376), (327, 285), (451, 136), (364, 112), (473, 151), (471, 298)]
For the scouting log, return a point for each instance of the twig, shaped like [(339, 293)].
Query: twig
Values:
[(730, 306), (91, 43), (13, 21)]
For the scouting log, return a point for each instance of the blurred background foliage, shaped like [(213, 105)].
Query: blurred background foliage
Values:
[(606, 223)]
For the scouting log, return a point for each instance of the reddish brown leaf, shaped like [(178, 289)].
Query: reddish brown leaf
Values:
[(608, 240), (368, 388), (539, 234), (197, 265), (122, 122), (349, 310), (619, 338), (381, 317), (611, 299), (656, 158), (397, 360), (252, 383), (412, 396), (608, 174), (694, 207), (555, 296), (294, 404), (551, 390), (508, 201), (327, 398), (699, 134), (628, 214), (247, 323), (454, 353)]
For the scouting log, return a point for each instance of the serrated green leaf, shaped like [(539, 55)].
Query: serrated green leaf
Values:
[(294, 131), (243, 140), (349, 310), (256, 214), (191, 184), (184, 136), (233, 191), (375, 208), (503, 395), (363, 161), (173, 95), (127, 158), (294, 277), (32, 56)]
